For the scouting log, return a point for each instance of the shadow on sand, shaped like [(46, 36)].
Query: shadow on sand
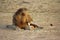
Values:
[(8, 27)]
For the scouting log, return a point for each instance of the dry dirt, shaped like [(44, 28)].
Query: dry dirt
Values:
[(43, 12)]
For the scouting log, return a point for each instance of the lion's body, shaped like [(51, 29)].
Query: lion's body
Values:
[(21, 19)]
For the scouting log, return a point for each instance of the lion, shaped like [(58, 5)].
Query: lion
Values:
[(21, 18)]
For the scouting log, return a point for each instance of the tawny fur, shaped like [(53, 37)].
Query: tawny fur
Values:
[(21, 18)]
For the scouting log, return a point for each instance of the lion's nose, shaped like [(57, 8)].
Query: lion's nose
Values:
[(23, 14)]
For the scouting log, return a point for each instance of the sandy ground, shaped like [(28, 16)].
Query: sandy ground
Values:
[(43, 12), (39, 34)]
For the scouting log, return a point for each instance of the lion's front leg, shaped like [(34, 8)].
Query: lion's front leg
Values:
[(30, 27)]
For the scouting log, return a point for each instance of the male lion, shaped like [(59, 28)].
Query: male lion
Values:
[(21, 18)]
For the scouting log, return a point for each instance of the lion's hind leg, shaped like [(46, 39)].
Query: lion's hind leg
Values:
[(36, 26)]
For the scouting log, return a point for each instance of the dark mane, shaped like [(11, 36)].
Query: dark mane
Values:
[(20, 10)]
